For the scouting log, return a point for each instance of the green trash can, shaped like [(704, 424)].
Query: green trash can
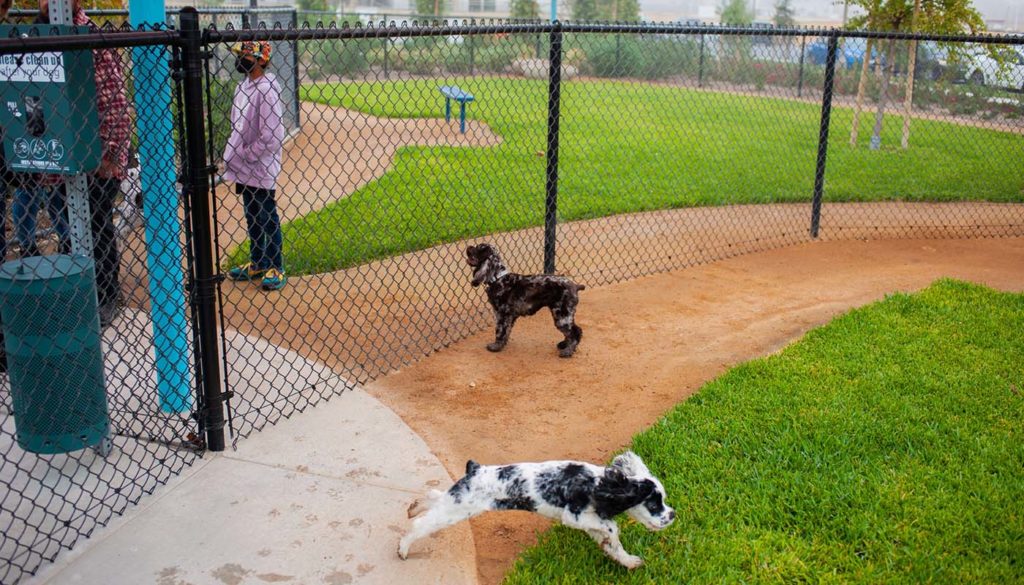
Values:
[(54, 358)]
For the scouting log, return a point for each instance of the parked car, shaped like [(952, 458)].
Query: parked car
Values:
[(982, 68), (762, 39), (850, 52), (932, 61)]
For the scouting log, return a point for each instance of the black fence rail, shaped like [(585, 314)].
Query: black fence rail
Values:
[(601, 151)]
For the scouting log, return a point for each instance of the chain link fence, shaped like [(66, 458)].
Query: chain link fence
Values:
[(604, 152), (653, 148)]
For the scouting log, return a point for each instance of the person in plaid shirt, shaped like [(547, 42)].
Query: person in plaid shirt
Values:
[(104, 181)]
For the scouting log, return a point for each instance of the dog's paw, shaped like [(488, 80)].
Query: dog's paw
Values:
[(631, 562), (495, 347), (563, 344), (566, 351), (403, 550)]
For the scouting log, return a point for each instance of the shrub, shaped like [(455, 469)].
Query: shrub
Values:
[(335, 57), (631, 56)]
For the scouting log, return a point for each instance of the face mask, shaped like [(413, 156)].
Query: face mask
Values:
[(244, 66)]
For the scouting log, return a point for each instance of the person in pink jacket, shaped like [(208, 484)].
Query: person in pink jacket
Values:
[(252, 160)]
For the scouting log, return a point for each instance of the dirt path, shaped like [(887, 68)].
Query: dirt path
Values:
[(370, 319), (337, 152), (650, 343)]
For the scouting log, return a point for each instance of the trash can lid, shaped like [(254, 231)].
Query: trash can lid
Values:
[(44, 267)]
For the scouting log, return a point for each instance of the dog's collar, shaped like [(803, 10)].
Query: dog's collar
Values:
[(499, 276)]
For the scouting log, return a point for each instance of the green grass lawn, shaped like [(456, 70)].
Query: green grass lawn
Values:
[(625, 147), (885, 447)]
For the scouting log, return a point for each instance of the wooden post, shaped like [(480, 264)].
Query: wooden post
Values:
[(861, 88)]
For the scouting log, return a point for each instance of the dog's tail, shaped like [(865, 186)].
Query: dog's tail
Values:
[(581, 287), (418, 507)]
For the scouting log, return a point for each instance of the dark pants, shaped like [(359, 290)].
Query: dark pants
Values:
[(104, 238), (264, 227)]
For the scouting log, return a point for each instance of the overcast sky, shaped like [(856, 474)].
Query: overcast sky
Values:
[(1003, 11)]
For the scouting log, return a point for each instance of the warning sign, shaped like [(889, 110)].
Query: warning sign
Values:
[(48, 106), (33, 67)]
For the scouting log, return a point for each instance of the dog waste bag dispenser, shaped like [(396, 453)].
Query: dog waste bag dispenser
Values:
[(49, 106), (54, 358)]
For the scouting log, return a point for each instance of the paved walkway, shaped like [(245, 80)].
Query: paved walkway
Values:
[(319, 498)]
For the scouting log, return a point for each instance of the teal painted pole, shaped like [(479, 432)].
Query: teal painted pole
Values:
[(164, 253), (554, 10)]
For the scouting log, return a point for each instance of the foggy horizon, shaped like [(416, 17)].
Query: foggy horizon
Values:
[(998, 14)]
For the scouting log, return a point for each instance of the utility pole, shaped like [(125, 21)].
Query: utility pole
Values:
[(846, 10)]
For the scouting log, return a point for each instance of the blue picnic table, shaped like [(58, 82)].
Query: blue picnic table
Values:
[(451, 92)]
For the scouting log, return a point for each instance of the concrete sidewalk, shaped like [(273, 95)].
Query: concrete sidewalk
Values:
[(319, 498)]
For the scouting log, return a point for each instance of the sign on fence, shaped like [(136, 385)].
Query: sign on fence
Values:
[(48, 107)]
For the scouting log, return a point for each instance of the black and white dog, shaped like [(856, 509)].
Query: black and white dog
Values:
[(517, 295), (578, 495)]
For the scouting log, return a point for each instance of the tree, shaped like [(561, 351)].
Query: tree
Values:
[(615, 10), (313, 5), (621, 10), (584, 10), (784, 14), (103, 4), (527, 9), (430, 7), (931, 16), (735, 13)]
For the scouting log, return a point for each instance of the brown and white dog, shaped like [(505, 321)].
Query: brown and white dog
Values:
[(518, 295), (577, 494)]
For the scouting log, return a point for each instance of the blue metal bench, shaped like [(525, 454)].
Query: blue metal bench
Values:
[(450, 92)]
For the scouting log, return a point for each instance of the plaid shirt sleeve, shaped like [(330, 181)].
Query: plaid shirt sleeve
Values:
[(112, 107)]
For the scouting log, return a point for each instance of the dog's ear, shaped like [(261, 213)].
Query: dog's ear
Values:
[(615, 492), (478, 275), (631, 464)]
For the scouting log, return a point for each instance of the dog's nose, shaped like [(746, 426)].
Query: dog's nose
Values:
[(671, 515)]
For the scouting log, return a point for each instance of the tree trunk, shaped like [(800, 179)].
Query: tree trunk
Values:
[(908, 102), (876, 137), (861, 87)]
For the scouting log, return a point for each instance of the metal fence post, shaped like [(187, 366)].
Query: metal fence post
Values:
[(197, 181), (472, 56), (554, 99), (386, 43), (295, 71), (800, 80), (700, 66), (826, 115), (618, 52)]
